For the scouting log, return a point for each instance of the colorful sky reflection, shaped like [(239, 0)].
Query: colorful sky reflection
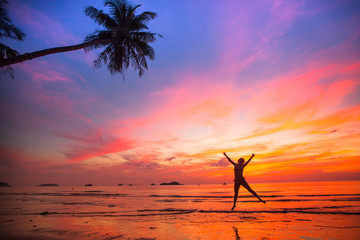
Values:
[(276, 78)]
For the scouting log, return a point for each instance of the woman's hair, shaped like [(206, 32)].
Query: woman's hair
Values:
[(241, 160)]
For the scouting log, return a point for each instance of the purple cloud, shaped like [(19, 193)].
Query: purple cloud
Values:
[(223, 162), (170, 159)]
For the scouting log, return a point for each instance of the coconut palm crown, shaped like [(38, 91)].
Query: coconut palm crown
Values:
[(129, 45)]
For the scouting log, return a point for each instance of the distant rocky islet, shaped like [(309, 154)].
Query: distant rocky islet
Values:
[(48, 185), (171, 183), (4, 184)]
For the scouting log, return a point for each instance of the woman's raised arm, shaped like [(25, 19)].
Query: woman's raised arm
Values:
[(249, 160), (229, 159)]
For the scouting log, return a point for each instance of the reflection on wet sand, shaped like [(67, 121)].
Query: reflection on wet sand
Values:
[(188, 212), (237, 237)]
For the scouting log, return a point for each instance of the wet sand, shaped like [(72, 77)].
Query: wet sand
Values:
[(187, 212)]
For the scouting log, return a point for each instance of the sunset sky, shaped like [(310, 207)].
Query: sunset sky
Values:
[(276, 78)]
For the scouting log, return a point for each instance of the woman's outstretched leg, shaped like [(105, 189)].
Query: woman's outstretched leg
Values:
[(236, 192), (246, 185)]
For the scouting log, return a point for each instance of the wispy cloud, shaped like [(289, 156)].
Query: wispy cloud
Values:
[(42, 25)]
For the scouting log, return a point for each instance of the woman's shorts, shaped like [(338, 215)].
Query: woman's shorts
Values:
[(241, 180)]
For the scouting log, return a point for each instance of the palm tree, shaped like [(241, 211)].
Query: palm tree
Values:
[(8, 30), (123, 36)]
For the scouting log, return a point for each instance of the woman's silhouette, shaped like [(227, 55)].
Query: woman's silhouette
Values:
[(239, 178)]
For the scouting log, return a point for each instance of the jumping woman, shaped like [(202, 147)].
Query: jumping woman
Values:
[(239, 178)]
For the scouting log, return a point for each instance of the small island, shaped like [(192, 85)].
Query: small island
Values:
[(172, 183), (153, 184), (88, 185), (48, 185), (120, 184), (4, 184)]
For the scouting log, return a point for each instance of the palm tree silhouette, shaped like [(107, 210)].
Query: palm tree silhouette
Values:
[(123, 36), (8, 30)]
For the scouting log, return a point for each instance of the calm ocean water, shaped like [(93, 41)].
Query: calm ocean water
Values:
[(312, 210)]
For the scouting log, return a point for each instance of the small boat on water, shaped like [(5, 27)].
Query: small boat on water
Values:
[(224, 183)]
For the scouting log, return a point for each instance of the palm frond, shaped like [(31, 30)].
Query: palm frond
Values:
[(117, 8), (7, 70), (10, 31), (130, 15), (7, 52), (104, 56), (7, 29), (139, 22), (145, 36), (97, 35), (101, 18), (3, 11), (136, 63), (145, 49)]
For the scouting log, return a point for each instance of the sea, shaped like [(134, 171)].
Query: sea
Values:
[(301, 210)]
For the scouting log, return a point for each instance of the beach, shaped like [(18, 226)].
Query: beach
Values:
[(311, 210)]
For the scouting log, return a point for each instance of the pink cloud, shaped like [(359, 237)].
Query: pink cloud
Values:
[(282, 16), (243, 45), (42, 25), (43, 72), (79, 153)]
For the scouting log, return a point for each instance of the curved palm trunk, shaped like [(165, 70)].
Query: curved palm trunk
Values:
[(41, 53)]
